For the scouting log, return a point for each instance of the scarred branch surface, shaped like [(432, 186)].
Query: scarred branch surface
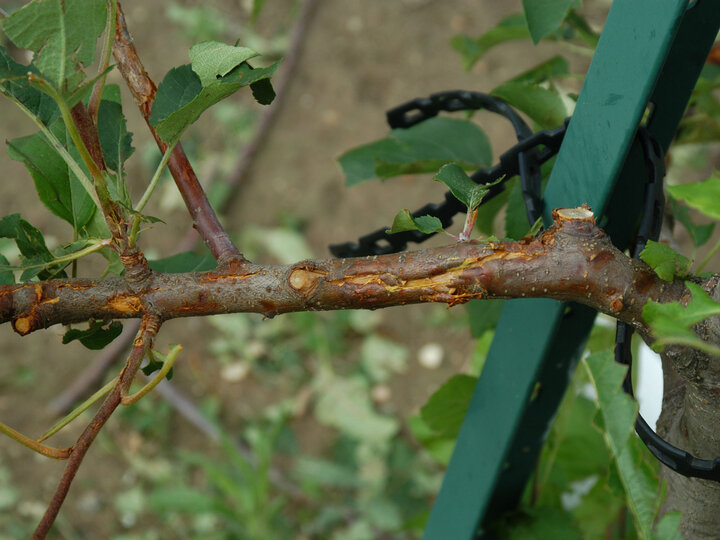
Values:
[(143, 90), (573, 260)]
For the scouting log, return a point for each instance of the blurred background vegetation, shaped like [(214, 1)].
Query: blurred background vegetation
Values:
[(307, 425)]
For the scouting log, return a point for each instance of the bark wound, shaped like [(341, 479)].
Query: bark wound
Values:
[(125, 304), (304, 279), (30, 320)]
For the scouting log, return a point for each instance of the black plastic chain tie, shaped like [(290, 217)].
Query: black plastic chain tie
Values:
[(671, 456), (524, 159)]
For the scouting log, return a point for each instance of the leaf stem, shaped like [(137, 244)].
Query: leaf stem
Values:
[(470, 218), (95, 172), (149, 191), (49, 451), (709, 256), (167, 366), (94, 103), (95, 246), (79, 410)]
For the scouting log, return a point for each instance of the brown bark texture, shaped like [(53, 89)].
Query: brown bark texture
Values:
[(573, 260)]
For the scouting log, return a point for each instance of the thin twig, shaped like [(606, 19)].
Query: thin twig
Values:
[(143, 342), (144, 89)]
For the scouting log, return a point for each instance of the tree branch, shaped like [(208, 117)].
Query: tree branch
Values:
[(572, 261), (143, 89), (143, 342)]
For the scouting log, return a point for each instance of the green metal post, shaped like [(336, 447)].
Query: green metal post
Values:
[(538, 342)]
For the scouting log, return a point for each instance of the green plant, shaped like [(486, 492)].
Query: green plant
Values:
[(77, 162)]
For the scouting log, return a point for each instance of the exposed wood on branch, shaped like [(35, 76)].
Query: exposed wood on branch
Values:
[(572, 261)]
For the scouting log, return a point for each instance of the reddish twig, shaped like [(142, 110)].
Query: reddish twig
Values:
[(143, 89), (143, 342)]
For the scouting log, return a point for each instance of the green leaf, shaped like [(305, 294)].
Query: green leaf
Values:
[(510, 28), (702, 196), (556, 66), (404, 221), (212, 60), (544, 17), (154, 365), (439, 446), (263, 91), (484, 315), (29, 240), (665, 261), (115, 139), (672, 322), (422, 148), (616, 409), (63, 35), (580, 28), (538, 523), (445, 410), (700, 234), (188, 261), (6, 276), (668, 527), (58, 189), (182, 98), (13, 81), (96, 337), (179, 87), (462, 187), (542, 105)]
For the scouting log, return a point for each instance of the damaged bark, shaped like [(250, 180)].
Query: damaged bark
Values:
[(572, 261)]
